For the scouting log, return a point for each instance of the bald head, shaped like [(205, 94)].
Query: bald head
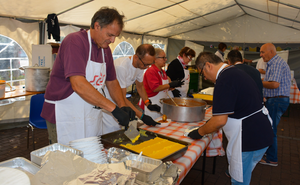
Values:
[(267, 51)]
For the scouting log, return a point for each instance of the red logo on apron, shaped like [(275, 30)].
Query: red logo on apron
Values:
[(98, 80)]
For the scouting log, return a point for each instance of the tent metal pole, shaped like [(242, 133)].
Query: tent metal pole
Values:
[(42, 32)]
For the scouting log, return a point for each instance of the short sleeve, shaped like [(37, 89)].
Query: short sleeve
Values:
[(225, 97), (121, 73)]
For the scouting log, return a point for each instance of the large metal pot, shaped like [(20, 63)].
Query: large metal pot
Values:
[(188, 109), (36, 78)]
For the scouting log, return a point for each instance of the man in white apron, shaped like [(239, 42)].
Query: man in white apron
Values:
[(130, 70), (83, 66), (238, 109), (177, 69)]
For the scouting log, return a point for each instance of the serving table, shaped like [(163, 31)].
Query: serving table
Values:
[(212, 144), (20, 91)]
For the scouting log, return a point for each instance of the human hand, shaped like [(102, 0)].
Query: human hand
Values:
[(195, 134), (149, 121), (176, 83), (176, 93), (121, 116), (130, 112), (154, 107)]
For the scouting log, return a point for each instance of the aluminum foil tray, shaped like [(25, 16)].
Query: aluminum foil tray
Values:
[(22, 164), (149, 169), (115, 139), (36, 156)]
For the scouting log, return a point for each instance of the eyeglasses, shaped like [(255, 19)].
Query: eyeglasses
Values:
[(190, 58), (145, 65), (201, 72), (165, 58)]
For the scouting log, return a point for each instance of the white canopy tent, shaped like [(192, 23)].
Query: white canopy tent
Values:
[(256, 21), (229, 21)]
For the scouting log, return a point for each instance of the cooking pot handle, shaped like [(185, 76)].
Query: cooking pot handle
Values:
[(207, 107)]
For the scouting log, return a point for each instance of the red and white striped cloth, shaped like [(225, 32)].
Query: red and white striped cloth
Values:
[(213, 143)]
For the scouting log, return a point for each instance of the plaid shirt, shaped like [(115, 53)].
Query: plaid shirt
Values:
[(279, 71)]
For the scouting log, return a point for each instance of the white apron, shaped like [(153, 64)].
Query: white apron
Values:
[(75, 118), (233, 132), (155, 100), (185, 87), (110, 123)]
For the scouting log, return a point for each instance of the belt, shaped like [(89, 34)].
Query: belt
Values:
[(277, 97)]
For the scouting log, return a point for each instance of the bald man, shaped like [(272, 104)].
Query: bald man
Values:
[(276, 83)]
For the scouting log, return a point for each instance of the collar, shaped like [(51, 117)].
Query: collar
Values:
[(181, 61), (238, 63), (220, 70), (221, 52), (270, 62)]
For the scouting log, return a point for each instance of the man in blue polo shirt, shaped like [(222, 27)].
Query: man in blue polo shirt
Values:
[(238, 109), (277, 84)]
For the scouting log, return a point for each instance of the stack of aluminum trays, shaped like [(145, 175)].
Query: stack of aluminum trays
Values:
[(37, 155)]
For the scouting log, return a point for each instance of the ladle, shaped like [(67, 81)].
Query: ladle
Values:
[(172, 99)]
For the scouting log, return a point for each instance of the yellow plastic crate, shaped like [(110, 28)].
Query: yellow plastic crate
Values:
[(203, 96)]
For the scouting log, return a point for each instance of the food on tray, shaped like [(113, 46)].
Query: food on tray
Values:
[(143, 133), (162, 121), (156, 148), (135, 139), (164, 117)]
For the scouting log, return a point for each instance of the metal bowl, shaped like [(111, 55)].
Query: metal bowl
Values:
[(188, 109)]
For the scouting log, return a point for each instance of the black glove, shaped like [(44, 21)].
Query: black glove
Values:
[(121, 116), (195, 134), (149, 121), (176, 83), (154, 107), (176, 93), (130, 112)]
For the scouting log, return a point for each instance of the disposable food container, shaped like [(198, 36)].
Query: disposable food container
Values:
[(149, 169), (37, 155)]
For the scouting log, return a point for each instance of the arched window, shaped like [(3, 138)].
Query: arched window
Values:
[(12, 56), (161, 46), (123, 49)]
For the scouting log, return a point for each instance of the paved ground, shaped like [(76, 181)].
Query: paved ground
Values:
[(14, 144)]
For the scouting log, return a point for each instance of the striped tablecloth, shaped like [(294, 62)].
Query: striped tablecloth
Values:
[(213, 143), (295, 93)]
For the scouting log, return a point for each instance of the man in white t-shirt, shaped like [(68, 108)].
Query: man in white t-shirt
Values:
[(129, 70), (261, 66)]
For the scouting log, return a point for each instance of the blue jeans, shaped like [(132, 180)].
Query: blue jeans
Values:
[(276, 107), (250, 159)]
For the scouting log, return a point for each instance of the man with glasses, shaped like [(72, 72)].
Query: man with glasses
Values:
[(238, 109), (130, 70), (177, 69)]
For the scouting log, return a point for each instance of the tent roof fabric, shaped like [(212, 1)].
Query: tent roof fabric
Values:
[(165, 18)]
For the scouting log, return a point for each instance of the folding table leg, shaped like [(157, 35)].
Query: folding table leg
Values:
[(203, 167)]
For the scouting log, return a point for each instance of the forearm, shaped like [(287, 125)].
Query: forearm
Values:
[(91, 95), (161, 88), (262, 71), (270, 84), (115, 92), (213, 125), (141, 90)]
